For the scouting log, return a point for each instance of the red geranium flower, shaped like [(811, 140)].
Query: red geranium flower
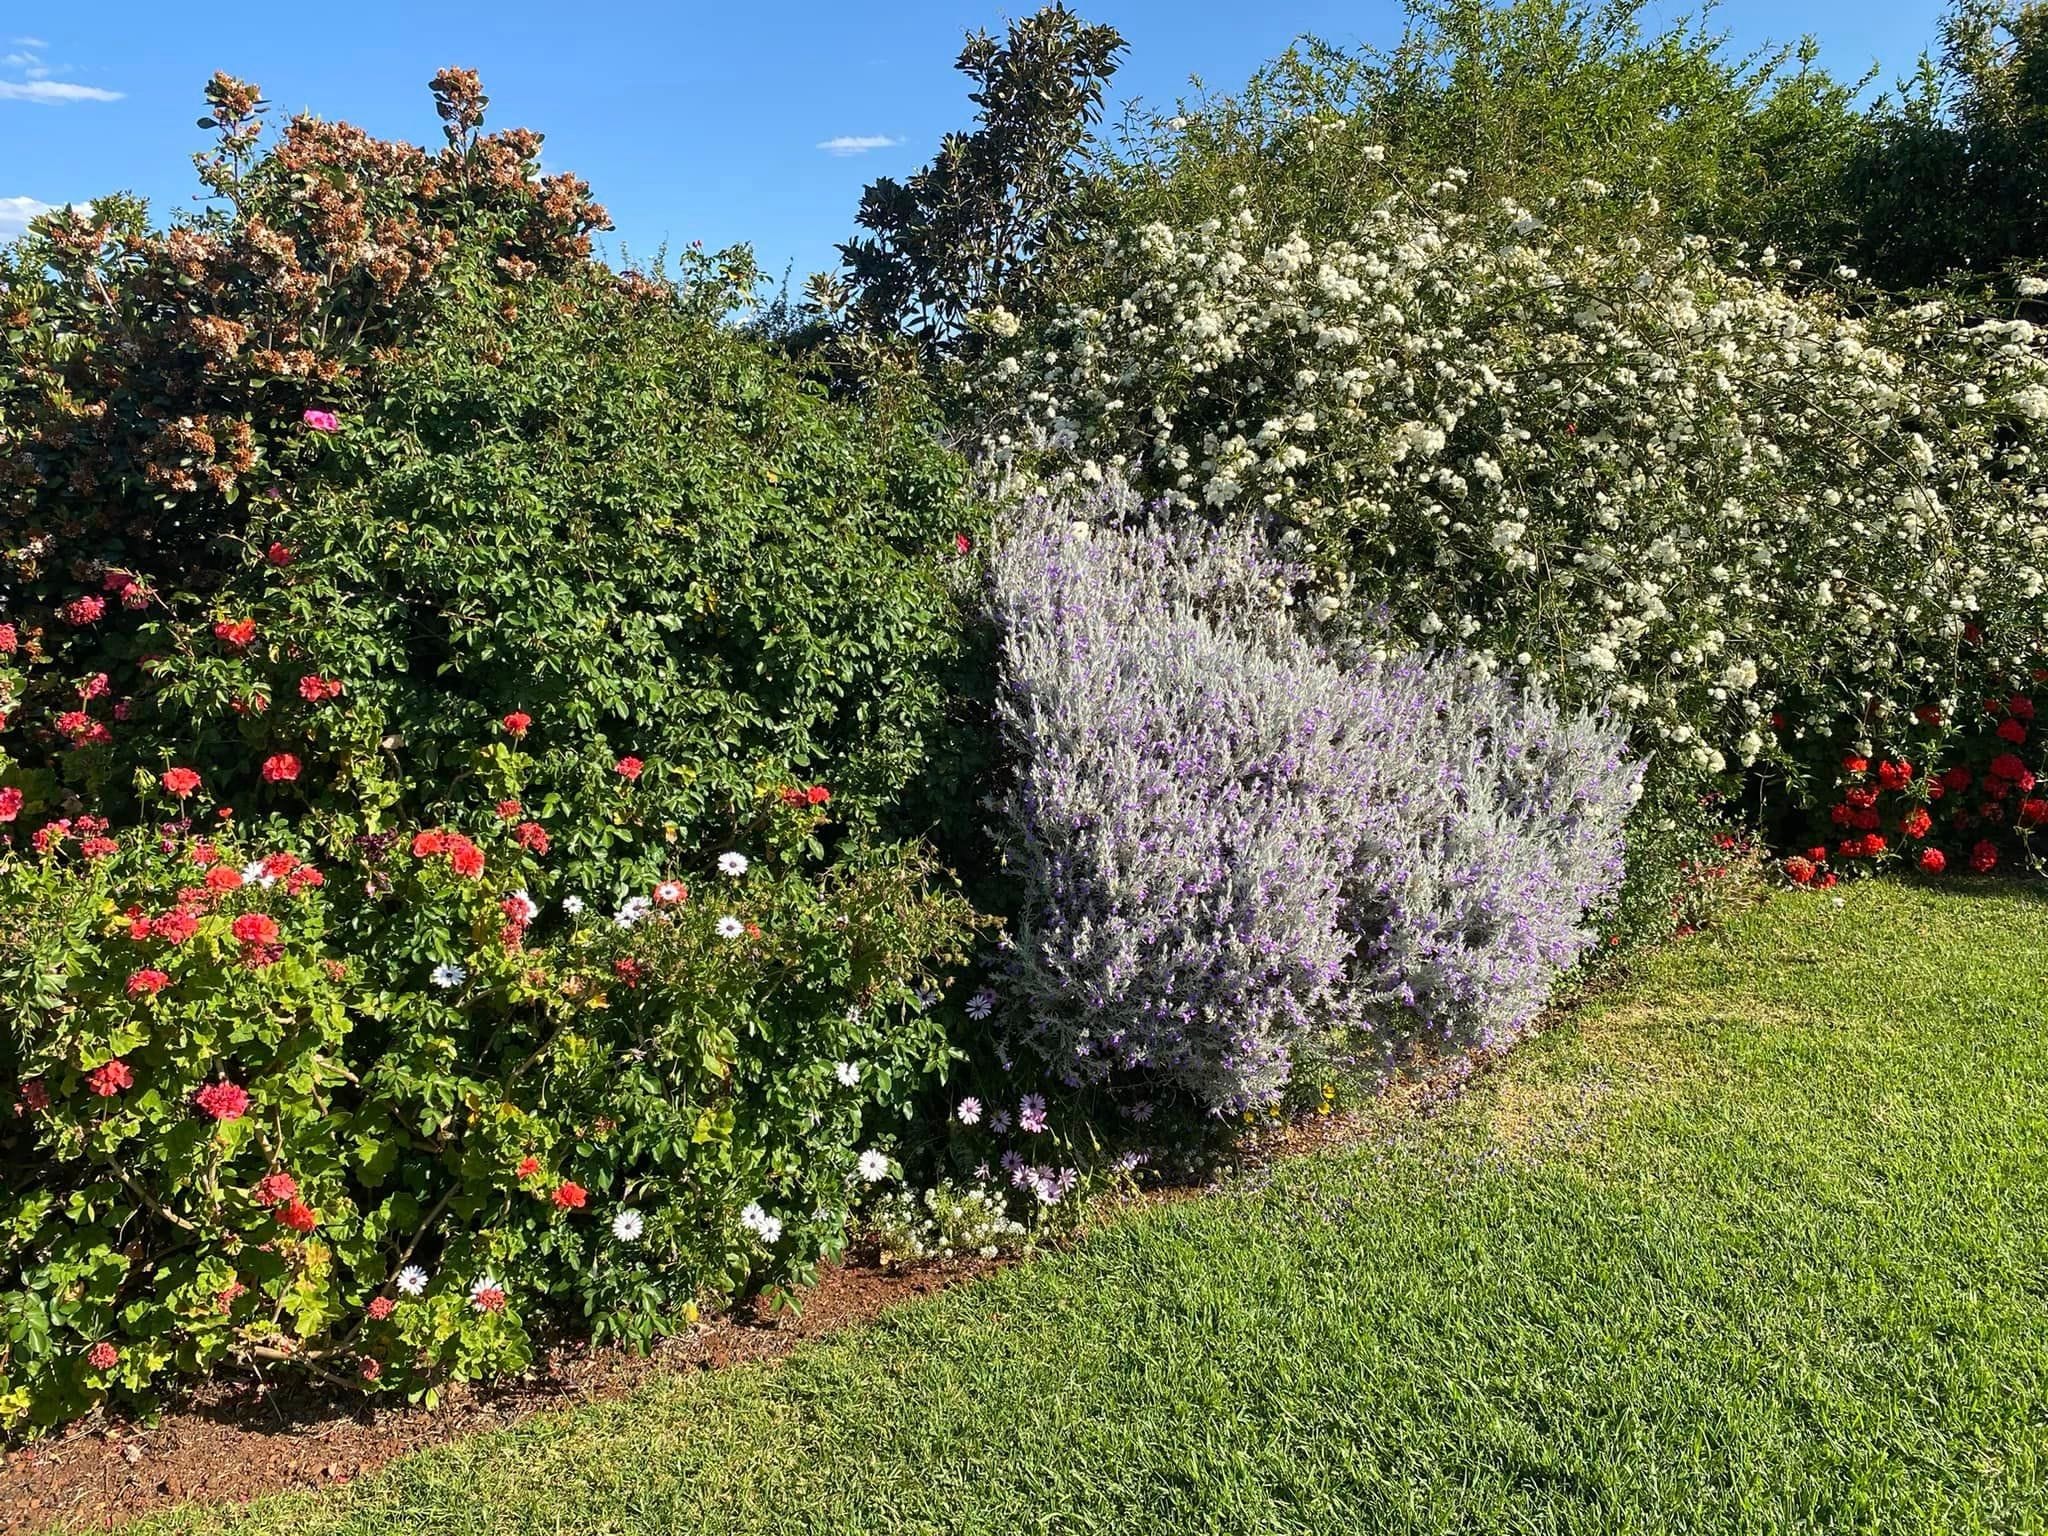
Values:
[(234, 632), (629, 768), (465, 858), (1916, 822), (222, 1101), (279, 555), (370, 1370), (1854, 764), (507, 810), (1799, 871), (147, 983), (1984, 857), (528, 1167), (380, 1308), (11, 802), (517, 723), (426, 844), (276, 1189), (569, 1196), (1933, 860), (223, 877), (818, 794), (102, 1356), (313, 688), (531, 836), (110, 1078), (81, 611), (299, 1216), (1894, 775), (180, 781), (2033, 813), (256, 928), (35, 1095), (280, 768), (2012, 731), (175, 926)]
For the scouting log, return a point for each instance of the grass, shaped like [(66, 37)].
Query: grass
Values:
[(1754, 1244)]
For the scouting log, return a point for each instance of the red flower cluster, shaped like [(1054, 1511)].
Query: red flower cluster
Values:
[(569, 1196), (313, 688), (11, 802), (464, 857), (234, 633), (110, 1078), (298, 1216), (280, 768), (380, 1308), (275, 1189), (102, 1356), (180, 781), (629, 769), (530, 835), (222, 1101), (81, 611), (517, 723), (796, 795), (147, 983), (529, 1165)]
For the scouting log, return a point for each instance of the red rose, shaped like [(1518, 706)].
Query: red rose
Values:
[(629, 768), (110, 1078), (569, 1196), (147, 983), (299, 1216), (222, 1101), (256, 928), (180, 781), (517, 723), (1933, 860), (280, 768)]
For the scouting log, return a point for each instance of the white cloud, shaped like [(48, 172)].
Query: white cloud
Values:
[(15, 212), (28, 42), (51, 92), (858, 143)]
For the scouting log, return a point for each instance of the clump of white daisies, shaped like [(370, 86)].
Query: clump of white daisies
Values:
[(944, 1222)]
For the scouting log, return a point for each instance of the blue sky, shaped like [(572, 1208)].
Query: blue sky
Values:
[(691, 121)]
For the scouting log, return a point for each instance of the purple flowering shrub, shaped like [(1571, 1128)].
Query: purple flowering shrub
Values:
[(1230, 847)]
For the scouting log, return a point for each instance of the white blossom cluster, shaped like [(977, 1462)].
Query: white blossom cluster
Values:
[(1661, 474), (943, 1223)]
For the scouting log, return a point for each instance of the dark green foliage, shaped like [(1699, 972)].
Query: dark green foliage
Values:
[(990, 221)]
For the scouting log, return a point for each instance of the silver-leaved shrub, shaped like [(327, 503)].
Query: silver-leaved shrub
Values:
[(1231, 843)]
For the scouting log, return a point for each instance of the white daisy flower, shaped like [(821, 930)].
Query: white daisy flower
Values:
[(761, 1224), (627, 1226), (874, 1166), (488, 1294), (982, 1004), (670, 892), (730, 927), (734, 864), (848, 1073), (412, 1280), (573, 905), (632, 910), (448, 974), (253, 873)]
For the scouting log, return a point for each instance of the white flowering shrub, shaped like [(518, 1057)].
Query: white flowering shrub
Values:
[(944, 1222), (1645, 471), (1226, 845)]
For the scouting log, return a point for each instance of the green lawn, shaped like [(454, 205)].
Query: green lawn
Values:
[(1754, 1244)]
